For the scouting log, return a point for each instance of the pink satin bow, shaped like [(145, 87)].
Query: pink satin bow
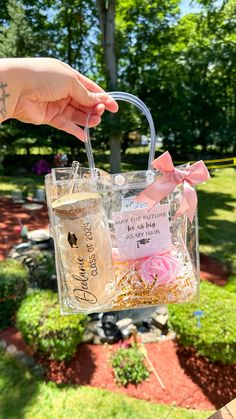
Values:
[(160, 188)]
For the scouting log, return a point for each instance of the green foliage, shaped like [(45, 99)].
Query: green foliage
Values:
[(44, 328), (13, 285), (181, 66), (23, 396), (27, 186), (216, 338), (129, 366), (16, 39), (41, 266)]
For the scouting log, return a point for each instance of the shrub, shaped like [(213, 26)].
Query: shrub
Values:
[(13, 286), (26, 185), (129, 366), (44, 328), (41, 265), (216, 336)]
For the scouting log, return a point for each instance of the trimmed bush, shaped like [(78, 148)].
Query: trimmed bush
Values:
[(46, 330), (216, 336), (129, 366), (13, 286), (41, 266), (42, 270)]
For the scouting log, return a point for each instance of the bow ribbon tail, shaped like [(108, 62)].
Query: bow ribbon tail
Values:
[(188, 204), (158, 190)]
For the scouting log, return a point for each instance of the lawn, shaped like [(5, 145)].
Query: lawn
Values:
[(19, 182), (22, 395), (217, 217)]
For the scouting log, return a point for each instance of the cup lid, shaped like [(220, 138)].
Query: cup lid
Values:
[(75, 205)]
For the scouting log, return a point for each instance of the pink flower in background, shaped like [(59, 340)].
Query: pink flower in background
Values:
[(162, 267)]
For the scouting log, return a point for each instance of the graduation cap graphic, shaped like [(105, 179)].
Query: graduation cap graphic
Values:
[(72, 239), (143, 242)]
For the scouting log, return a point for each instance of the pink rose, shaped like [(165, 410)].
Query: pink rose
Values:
[(163, 268)]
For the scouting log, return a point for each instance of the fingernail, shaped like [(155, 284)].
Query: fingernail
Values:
[(110, 100), (101, 97)]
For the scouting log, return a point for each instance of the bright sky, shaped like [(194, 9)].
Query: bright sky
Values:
[(187, 7)]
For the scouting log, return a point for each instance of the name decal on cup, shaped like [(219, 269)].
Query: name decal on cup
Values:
[(83, 293), (86, 266)]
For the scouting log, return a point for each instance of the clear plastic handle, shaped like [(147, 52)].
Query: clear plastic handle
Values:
[(126, 97)]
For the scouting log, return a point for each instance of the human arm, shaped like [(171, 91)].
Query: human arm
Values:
[(48, 91)]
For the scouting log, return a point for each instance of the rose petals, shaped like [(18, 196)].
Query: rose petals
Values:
[(160, 268)]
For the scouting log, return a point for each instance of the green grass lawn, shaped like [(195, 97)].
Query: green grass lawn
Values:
[(19, 182), (217, 217), (24, 396)]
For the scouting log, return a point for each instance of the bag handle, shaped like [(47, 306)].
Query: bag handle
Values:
[(126, 97)]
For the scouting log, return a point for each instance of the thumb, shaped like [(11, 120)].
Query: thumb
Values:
[(86, 98)]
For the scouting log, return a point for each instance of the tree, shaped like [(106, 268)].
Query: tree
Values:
[(141, 28), (16, 36), (29, 31), (106, 13), (183, 68), (190, 81)]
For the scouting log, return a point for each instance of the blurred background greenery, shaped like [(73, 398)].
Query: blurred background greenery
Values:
[(179, 58), (181, 65)]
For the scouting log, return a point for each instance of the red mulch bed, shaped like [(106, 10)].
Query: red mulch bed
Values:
[(190, 381), (213, 271), (10, 214)]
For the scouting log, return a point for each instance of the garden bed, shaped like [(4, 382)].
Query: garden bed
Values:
[(190, 381), (10, 214)]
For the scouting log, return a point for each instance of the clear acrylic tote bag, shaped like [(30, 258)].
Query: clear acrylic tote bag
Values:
[(125, 240)]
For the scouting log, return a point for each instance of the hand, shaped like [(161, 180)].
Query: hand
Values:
[(48, 91)]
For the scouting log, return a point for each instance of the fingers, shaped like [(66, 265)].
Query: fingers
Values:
[(85, 119), (89, 84), (70, 127), (69, 120), (110, 104), (79, 117), (96, 110), (83, 96), (99, 109)]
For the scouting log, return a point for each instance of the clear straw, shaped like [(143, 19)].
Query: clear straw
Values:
[(72, 177), (126, 97), (88, 147)]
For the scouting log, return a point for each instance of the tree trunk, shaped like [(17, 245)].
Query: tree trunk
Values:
[(115, 157), (106, 13)]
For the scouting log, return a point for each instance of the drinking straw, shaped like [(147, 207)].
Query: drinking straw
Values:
[(88, 147), (72, 177)]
